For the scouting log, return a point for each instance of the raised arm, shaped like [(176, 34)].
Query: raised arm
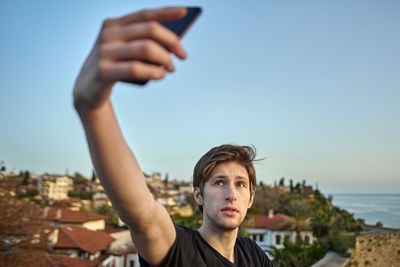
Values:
[(119, 53)]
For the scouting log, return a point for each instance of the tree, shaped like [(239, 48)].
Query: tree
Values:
[(298, 187), (111, 213), (300, 210), (2, 166), (27, 175), (166, 177), (79, 179), (282, 181), (93, 176)]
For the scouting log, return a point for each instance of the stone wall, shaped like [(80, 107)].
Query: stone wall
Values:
[(377, 250)]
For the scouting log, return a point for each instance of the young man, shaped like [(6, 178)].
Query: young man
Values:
[(134, 47)]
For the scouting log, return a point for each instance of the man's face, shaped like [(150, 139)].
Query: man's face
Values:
[(226, 196)]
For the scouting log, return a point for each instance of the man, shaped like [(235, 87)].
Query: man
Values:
[(134, 47)]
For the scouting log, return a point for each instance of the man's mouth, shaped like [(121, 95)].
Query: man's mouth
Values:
[(230, 211)]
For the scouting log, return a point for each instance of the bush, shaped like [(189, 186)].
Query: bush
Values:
[(341, 242), (301, 255)]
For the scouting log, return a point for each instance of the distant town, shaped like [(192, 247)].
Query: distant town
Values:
[(68, 220)]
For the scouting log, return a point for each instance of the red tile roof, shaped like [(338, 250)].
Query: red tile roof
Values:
[(71, 216), (76, 237), (277, 222), (65, 261), (71, 200)]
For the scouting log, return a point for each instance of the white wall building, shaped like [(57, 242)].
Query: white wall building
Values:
[(272, 230), (55, 188)]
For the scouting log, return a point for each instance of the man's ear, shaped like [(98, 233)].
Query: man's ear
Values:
[(251, 199), (197, 196)]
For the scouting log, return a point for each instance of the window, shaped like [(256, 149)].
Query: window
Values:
[(278, 239), (131, 263), (261, 237), (307, 239)]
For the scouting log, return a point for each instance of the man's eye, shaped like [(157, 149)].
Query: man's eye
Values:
[(241, 185), (219, 183)]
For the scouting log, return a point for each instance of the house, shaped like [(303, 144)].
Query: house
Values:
[(76, 241), (54, 188), (73, 203), (63, 216), (154, 180), (122, 251), (96, 186), (100, 199), (271, 230)]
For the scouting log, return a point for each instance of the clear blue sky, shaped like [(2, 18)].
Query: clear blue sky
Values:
[(314, 85)]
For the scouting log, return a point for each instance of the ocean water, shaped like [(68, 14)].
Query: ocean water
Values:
[(372, 207)]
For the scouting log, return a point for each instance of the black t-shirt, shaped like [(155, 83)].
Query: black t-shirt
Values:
[(190, 249)]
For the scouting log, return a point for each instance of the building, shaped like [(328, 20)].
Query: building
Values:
[(54, 188), (73, 203), (122, 252), (271, 230), (65, 216), (78, 242), (100, 199)]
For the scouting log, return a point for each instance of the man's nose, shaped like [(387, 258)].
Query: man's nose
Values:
[(230, 193)]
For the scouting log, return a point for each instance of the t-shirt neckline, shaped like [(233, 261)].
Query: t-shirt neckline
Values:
[(215, 252)]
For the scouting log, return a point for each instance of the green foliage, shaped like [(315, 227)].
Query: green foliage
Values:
[(93, 175), (341, 242), (193, 222), (253, 210), (81, 195), (268, 199), (111, 213), (297, 255), (29, 193), (299, 209), (79, 179), (335, 228), (26, 178), (243, 231)]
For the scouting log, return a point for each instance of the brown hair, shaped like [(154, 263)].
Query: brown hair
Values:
[(244, 155)]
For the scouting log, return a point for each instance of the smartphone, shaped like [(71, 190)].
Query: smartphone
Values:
[(179, 27)]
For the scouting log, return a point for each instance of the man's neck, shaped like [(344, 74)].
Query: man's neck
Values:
[(221, 241)]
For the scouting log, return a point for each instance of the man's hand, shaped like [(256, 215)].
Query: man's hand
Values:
[(132, 47)]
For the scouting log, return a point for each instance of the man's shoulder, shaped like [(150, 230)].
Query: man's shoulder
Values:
[(184, 230)]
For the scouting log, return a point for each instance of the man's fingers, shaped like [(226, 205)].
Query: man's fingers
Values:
[(161, 14), (131, 70), (145, 50), (167, 13), (149, 29)]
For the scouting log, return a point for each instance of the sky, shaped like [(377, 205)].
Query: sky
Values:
[(313, 85)]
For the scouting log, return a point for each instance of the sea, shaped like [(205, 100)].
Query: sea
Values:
[(372, 208)]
